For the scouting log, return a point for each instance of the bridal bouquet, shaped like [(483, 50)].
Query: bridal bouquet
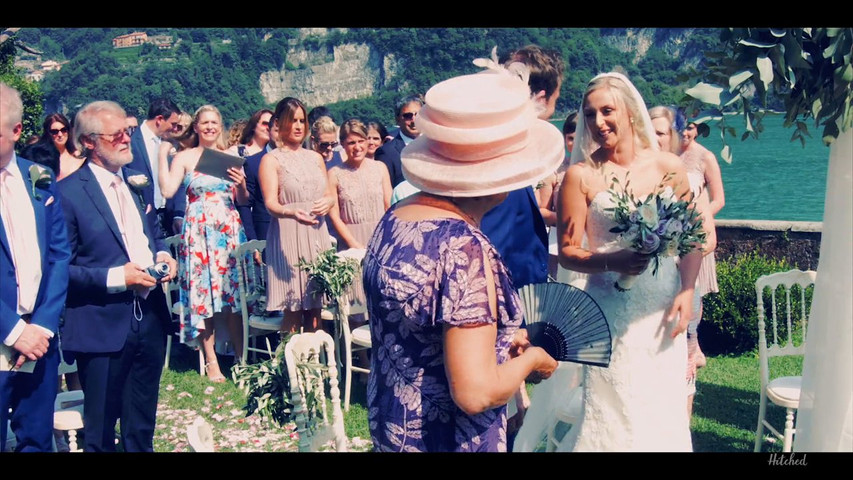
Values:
[(660, 225)]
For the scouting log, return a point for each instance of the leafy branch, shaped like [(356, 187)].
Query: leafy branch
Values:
[(811, 69)]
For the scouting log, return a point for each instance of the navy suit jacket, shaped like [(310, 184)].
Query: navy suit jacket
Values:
[(517, 230), (176, 205), (55, 256), (97, 321), (255, 216), (389, 154)]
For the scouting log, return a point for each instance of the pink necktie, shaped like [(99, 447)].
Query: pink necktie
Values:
[(22, 251), (131, 227)]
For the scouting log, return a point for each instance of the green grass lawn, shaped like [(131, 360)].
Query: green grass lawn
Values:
[(724, 419)]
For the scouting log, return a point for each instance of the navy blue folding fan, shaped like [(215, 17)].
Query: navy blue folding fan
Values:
[(567, 323)]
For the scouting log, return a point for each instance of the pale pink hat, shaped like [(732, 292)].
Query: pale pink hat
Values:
[(480, 136)]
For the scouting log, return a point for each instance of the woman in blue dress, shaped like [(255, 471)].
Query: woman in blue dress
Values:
[(444, 316)]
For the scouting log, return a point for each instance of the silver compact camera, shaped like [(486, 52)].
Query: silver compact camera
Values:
[(159, 270)]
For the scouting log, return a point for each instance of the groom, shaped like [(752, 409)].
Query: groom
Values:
[(116, 315)]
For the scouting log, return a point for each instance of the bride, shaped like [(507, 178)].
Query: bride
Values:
[(637, 404)]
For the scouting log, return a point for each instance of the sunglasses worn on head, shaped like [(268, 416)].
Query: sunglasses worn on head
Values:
[(57, 131), (327, 145), (409, 115)]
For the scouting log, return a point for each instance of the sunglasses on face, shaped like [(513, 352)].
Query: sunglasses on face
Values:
[(57, 131), (409, 115), (115, 137), (265, 124), (327, 145)]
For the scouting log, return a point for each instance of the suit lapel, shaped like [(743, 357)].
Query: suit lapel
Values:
[(96, 195), (5, 242)]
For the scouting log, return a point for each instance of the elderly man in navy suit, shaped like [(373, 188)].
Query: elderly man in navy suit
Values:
[(163, 119), (116, 315), (34, 257), (405, 111)]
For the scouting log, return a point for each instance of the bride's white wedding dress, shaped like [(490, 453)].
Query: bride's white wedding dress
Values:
[(638, 403)]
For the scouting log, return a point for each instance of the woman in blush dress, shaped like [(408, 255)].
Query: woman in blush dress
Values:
[(637, 403), (363, 189), (211, 231), (298, 195), (448, 353), (669, 140)]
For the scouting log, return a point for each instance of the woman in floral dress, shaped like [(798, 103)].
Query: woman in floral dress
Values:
[(211, 232), (444, 316)]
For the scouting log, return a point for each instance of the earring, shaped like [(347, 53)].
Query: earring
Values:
[(632, 120)]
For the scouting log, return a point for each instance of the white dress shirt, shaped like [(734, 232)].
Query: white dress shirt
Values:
[(152, 146), (115, 275), (19, 210)]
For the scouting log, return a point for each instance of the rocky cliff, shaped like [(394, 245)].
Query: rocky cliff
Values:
[(328, 74)]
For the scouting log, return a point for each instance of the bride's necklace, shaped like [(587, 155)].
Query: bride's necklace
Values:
[(448, 204)]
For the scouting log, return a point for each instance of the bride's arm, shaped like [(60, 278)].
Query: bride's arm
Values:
[(571, 226)]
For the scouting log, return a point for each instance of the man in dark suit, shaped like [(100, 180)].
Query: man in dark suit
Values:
[(116, 313), (405, 111), (34, 257), (510, 224), (163, 119), (255, 216)]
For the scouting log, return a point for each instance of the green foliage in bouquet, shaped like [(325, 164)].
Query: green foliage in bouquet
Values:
[(730, 318), (331, 274)]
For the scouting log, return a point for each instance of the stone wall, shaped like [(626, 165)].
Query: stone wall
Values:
[(798, 242)]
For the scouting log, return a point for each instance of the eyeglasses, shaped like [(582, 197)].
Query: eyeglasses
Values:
[(178, 127), (327, 145), (409, 115), (115, 137), (57, 131)]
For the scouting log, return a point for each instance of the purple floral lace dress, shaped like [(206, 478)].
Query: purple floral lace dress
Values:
[(418, 276)]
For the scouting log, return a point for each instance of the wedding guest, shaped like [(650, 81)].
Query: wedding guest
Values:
[(705, 177), (211, 232), (255, 135), (363, 189), (163, 120), (255, 216), (548, 192), (516, 226), (296, 192), (57, 128), (324, 140), (444, 313), (132, 124), (635, 404), (376, 134), (174, 142), (235, 133), (34, 259), (664, 121), (116, 315), (405, 111)]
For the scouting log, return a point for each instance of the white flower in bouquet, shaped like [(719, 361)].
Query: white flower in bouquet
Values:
[(648, 214), (674, 227)]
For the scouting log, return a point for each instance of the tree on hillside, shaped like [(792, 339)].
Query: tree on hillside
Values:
[(31, 95)]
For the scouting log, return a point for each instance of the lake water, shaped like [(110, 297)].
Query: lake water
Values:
[(771, 178)]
